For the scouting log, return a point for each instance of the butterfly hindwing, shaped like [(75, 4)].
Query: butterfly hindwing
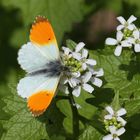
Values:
[(39, 102), (39, 91)]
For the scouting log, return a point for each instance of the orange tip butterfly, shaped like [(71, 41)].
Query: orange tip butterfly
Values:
[(41, 60)]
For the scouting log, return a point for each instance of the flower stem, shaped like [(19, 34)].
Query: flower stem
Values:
[(74, 114)]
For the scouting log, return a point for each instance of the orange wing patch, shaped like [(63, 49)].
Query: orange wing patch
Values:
[(42, 32), (39, 102)]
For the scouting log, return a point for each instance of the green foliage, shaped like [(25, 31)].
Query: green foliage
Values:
[(60, 13), (90, 134), (62, 121)]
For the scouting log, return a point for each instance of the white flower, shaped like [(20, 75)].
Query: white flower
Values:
[(119, 42), (95, 80), (116, 114), (83, 84), (114, 133), (126, 24), (135, 40), (67, 51), (81, 55), (79, 73), (76, 54)]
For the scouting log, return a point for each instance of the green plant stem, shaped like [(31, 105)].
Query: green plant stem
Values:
[(75, 115)]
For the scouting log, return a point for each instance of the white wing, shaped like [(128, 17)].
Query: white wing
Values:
[(33, 84), (33, 58)]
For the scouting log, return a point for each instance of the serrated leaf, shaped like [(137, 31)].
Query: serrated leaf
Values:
[(133, 107), (18, 123), (87, 110), (90, 133), (118, 71), (22, 125)]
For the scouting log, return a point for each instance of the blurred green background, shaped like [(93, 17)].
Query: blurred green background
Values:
[(90, 21)]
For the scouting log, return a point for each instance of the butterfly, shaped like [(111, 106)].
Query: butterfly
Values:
[(40, 58)]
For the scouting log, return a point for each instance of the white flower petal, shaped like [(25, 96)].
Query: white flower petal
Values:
[(123, 122), (131, 19), (76, 55), (118, 50), (108, 137), (64, 81), (120, 27), (79, 46), (136, 34), (88, 88), (131, 40), (131, 27), (110, 41), (84, 53), (66, 50), (110, 110), (116, 138), (90, 68), (77, 90), (73, 82), (97, 82), (108, 117), (120, 131), (99, 73), (119, 35), (84, 66), (112, 129), (126, 43), (137, 47), (76, 74), (121, 112), (86, 77), (91, 62), (121, 20)]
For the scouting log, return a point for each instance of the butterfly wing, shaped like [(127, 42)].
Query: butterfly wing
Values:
[(39, 91), (43, 36), (41, 50)]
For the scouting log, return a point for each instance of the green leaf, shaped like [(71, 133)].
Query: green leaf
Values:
[(18, 123), (121, 74), (115, 102), (61, 13), (22, 125), (65, 108), (87, 110), (70, 44), (133, 107), (90, 133)]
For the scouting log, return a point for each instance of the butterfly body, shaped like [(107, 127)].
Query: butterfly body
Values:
[(40, 58), (52, 69)]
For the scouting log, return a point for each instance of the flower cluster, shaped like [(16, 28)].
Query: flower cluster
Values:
[(80, 72), (114, 123), (127, 36)]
